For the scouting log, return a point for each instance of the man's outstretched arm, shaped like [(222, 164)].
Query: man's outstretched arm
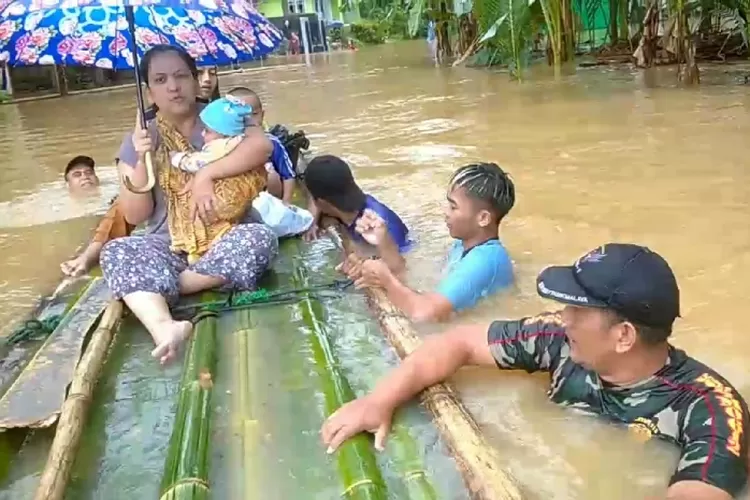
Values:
[(439, 357)]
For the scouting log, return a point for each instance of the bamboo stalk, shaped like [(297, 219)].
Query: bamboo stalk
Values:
[(478, 462), (245, 421), (186, 467), (357, 466), (73, 417), (410, 466)]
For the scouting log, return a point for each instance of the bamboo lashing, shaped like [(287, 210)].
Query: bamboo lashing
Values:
[(73, 416), (477, 460)]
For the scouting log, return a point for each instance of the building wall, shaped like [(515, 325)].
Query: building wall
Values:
[(271, 8), (275, 8)]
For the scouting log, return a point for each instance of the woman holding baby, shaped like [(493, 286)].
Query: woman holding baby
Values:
[(145, 271)]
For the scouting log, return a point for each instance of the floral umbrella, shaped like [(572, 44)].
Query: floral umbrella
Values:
[(99, 36), (114, 33)]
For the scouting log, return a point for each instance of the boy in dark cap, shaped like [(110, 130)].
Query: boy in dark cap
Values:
[(331, 185)]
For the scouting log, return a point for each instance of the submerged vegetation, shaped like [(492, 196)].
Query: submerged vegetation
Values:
[(512, 33)]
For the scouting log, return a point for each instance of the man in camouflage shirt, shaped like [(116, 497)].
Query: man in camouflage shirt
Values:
[(607, 353)]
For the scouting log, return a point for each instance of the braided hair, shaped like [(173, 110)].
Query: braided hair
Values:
[(488, 184)]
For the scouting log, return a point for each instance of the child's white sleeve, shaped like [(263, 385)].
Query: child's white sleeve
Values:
[(191, 162)]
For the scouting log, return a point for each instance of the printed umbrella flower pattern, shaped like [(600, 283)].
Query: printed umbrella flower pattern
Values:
[(98, 36)]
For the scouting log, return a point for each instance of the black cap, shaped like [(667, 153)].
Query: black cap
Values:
[(329, 178), (629, 279), (85, 161)]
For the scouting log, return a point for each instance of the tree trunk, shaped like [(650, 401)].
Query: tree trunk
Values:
[(613, 22), (645, 54), (624, 22)]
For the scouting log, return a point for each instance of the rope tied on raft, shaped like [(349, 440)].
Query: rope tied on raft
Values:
[(351, 488), (34, 329), (188, 481), (262, 297)]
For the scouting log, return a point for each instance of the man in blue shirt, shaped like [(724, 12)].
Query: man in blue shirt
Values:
[(333, 192), (479, 197)]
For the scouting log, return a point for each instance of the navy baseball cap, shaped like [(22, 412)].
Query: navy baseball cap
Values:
[(631, 280)]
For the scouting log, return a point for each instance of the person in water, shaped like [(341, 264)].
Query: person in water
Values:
[(281, 180), (80, 176), (334, 193), (608, 353), (142, 270), (479, 197), (432, 40), (224, 122), (208, 90)]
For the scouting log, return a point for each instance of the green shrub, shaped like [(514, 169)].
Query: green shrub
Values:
[(370, 32), (4, 96), (335, 35)]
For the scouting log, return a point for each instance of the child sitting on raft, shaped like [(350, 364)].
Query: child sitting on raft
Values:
[(282, 217), (224, 121)]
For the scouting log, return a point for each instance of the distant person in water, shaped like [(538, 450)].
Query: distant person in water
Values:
[(479, 197), (333, 192), (281, 172), (80, 176), (432, 40)]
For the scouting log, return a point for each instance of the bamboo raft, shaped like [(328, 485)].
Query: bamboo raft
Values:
[(208, 388)]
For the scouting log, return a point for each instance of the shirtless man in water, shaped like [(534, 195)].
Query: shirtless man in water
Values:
[(81, 178), (608, 353)]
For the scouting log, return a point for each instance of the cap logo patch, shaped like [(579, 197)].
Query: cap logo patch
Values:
[(593, 256)]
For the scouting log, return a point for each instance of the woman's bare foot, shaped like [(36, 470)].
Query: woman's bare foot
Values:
[(172, 334)]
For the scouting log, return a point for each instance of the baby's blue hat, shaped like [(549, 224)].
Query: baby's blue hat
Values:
[(226, 116)]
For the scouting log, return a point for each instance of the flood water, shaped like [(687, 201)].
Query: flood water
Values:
[(603, 155)]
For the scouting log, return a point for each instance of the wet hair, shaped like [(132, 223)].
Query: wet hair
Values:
[(246, 92), (79, 161), (488, 184), (649, 335), (166, 49)]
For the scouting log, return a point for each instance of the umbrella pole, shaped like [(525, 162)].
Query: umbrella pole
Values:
[(151, 177), (138, 88)]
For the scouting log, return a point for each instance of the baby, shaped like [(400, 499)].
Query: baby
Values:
[(224, 121)]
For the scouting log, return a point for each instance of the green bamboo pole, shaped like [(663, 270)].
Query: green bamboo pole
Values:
[(186, 467), (357, 466), (245, 424), (403, 449), (409, 465)]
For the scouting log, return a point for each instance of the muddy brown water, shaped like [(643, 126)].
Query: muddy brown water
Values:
[(605, 154)]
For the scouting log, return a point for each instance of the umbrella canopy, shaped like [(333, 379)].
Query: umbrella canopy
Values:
[(99, 36)]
